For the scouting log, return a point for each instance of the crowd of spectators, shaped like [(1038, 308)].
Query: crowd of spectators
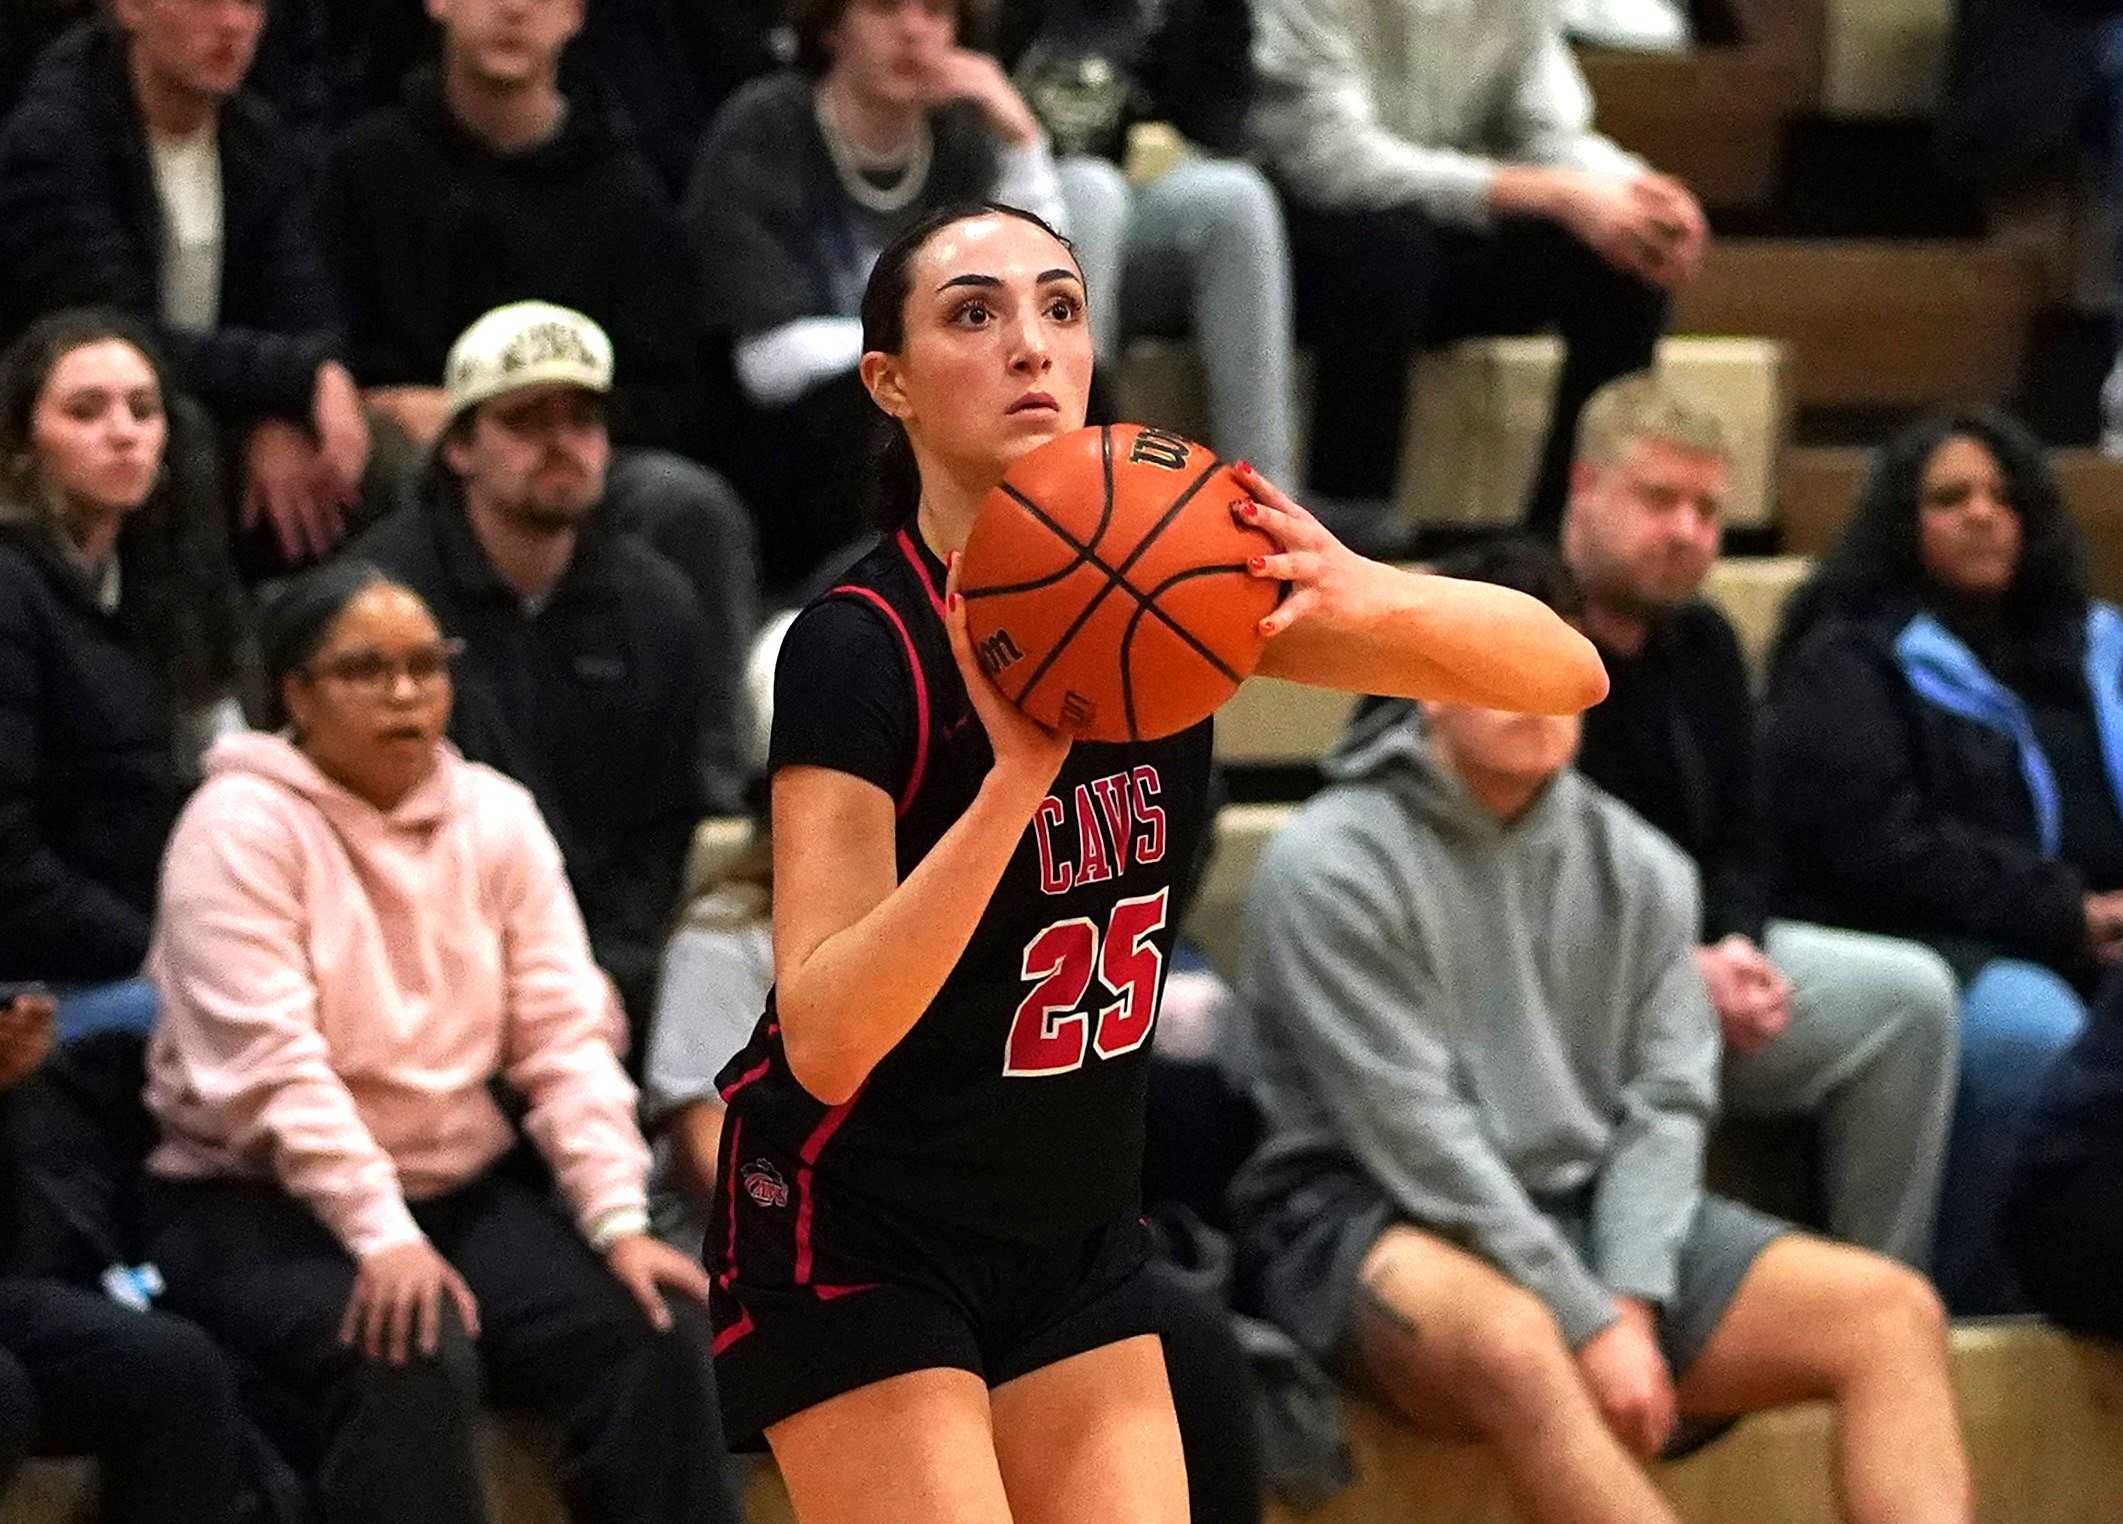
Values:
[(406, 421)]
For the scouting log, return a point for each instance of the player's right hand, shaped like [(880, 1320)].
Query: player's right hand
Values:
[(1630, 1381), (398, 1294), (1023, 747)]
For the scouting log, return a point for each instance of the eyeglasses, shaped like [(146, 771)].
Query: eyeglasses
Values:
[(372, 673)]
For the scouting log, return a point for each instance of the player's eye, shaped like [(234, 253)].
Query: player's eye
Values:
[(973, 314), (1064, 309)]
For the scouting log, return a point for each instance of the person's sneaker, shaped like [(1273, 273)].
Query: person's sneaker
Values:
[(2112, 411), (1642, 26)]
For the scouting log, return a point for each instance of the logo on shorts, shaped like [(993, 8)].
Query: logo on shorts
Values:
[(763, 1183)]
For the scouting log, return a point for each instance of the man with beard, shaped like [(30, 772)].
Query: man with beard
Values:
[(581, 674), (1854, 1031)]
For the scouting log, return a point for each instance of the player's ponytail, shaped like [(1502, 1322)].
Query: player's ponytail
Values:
[(895, 484)]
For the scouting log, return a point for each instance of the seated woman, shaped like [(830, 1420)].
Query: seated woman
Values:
[(147, 1394), (368, 951), (803, 178), (1944, 760), (116, 617)]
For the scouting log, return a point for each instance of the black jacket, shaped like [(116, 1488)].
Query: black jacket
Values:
[(1187, 62), (80, 225), (429, 227), (1896, 816), (593, 703), (1675, 741), (89, 780)]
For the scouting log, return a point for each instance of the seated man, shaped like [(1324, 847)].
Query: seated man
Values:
[(138, 173), (585, 673), (1857, 1032), (1442, 179), (1487, 1060), (499, 177)]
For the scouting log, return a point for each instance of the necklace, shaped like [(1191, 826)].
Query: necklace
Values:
[(848, 164)]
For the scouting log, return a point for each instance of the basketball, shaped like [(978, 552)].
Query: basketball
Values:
[(1106, 586)]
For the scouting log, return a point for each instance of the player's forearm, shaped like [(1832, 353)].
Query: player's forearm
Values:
[(848, 1004), (1413, 635)]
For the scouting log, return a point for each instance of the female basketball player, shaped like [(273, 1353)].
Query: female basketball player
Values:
[(929, 1296)]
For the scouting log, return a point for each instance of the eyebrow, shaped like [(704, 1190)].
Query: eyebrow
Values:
[(994, 283)]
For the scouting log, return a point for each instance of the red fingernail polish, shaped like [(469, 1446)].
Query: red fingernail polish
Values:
[(1244, 468), (1256, 563)]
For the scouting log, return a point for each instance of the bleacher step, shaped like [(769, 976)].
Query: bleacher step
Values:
[(1874, 322)]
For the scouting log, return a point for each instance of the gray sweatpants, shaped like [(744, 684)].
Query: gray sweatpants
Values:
[(1200, 250), (1871, 1054)]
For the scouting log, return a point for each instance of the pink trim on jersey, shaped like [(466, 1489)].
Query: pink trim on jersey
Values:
[(821, 1135), (731, 1335), (921, 570), (729, 1196), (834, 1293), (730, 1091), (921, 686)]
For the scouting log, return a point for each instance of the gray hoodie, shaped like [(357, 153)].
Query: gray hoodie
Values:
[(1476, 1015)]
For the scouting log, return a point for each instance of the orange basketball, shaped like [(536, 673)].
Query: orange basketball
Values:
[(1106, 586)]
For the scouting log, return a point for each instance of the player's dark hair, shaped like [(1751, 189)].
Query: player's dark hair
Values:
[(1525, 565), (895, 481)]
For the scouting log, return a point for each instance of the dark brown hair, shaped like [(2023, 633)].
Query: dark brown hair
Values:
[(813, 19), (895, 483)]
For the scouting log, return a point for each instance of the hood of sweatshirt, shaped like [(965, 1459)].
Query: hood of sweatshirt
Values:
[(1389, 747), (274, 760)]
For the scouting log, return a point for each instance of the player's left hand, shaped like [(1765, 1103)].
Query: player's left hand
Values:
[(646, 1265), (1326, 579)]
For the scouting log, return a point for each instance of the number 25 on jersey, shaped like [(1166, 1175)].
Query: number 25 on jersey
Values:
[(1049, 1034)]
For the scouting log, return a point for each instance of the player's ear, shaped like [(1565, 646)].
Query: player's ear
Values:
[(880, 373)]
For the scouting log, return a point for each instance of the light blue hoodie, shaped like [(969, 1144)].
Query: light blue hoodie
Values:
[(1474, 1015)]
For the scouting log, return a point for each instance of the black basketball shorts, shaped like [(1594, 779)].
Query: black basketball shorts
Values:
[(819, 1291)]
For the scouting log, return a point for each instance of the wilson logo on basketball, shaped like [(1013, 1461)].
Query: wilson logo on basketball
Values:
[(763, 1183), (1153, 447), (998, 652)]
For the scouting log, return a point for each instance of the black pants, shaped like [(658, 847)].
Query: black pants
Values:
[(559, 1335), (2063, 1232), (1374, 287), (148, 1395)]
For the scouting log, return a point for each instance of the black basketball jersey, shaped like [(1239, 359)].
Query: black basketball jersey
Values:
[(1015, 1104)]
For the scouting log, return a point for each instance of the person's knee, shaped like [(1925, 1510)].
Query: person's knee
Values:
[(1232, 199), (1894, 1313), (2015, 1018), (1511, 1356), (171, 1362), (1915, 990), (428, 1392), (1096, 195)]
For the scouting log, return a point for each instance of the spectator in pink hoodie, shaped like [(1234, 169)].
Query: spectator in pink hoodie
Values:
[(369, 961)]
